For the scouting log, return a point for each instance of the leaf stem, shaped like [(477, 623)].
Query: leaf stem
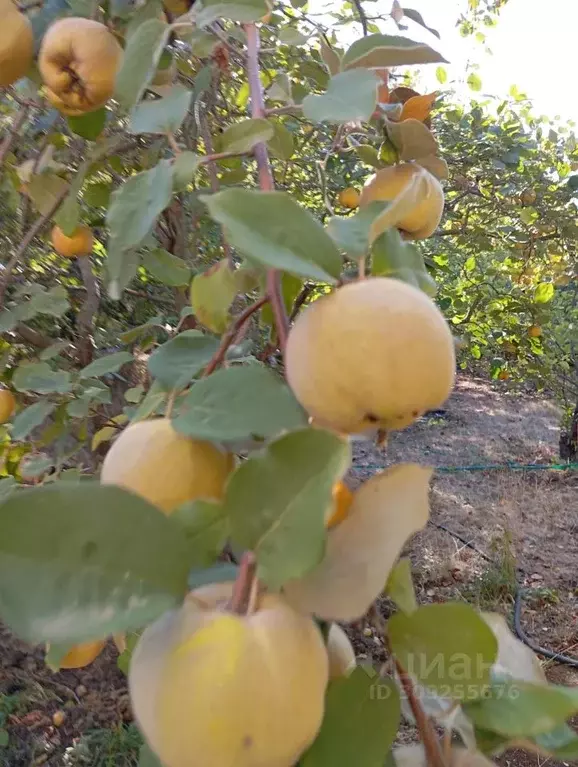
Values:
[(232, 333), (243, 596), (266, 181)]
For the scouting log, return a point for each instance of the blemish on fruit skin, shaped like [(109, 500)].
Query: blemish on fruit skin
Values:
[(247, 742), (371, 418)]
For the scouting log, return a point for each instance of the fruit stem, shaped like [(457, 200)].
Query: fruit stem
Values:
[(243, 598), (266, 182), (232, 333)]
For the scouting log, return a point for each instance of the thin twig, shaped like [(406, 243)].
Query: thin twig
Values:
[(362, 17), (36, 227), (13, 132), (266, 182), (213, 179), (232, 333)]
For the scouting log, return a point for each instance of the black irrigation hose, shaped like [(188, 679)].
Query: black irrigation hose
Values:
[(518, 598)]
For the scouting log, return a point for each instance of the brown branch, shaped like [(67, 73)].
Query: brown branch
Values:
[(430, 741), (32, 337), (36, 227), (85, 318), (306, 291), (232, 333), (12, 133), (362, 17), (265, 177)]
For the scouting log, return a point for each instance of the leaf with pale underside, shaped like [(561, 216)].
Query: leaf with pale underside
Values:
[(362, 549), (378, 51), (350, 96)]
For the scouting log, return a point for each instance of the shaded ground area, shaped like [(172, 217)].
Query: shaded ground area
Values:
[(521, 519)]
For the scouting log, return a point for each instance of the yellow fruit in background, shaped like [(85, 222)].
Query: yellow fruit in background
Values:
[(340, 651), (80, 242), (177, 7), (342, 499), (376, 353), (211, 688), (16, 44), (528, 197), (82, 655), (165, 468), (348, 198), (535, 331), (503, 375), (7, 405), (423, 218), (78, 61)]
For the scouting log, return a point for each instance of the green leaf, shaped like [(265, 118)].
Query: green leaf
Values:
[(7, 486), (166, 268), (351, 233), (237, 403), (277, 500), (379, 51), (4, 738), (561, 742), (242, 136), (212, 293), (44, 190), (109, 364), (235, 10), (515, 708), (474, 82), (54, 350), (122, 265), (137, 204), (271, 228), (544, 293), (288, 35), (392, 257), (100, 561), (369, 156), (206, 529), (184, 168), (361, 719), (441, 75), (36, 466), (147, 758), (329, 55), (177, 362), (399, 587), (53, 302), (446, 647), (219, 573), (89, 125), (98, 195), (202, 43), (162, 115), (141, 57), (418, 18), (282, 144), (350, 96), (30, 418), (40, 378), (68, 215)]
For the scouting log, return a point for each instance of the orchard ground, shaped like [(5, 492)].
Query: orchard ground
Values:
[(519, 518)]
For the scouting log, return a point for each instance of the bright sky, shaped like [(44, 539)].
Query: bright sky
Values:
[(533, 47)]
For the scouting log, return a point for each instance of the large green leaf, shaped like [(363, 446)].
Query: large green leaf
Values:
[(282, 144), (40, 378), (166, 267), (270, 227), (206, 529), (277, 501), (137, 203), (515, 708), (351, 233), (242, 136), (79, 561), (544, 293), (392, 257), (177, 362), (162, 115), (141, 57), (378, 51), (89, 125), (350, 96), (238, 403), (235, 10), (109, 364), (446, 647), (361, 719), (399, 587), (212, 293), (30, 418)]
